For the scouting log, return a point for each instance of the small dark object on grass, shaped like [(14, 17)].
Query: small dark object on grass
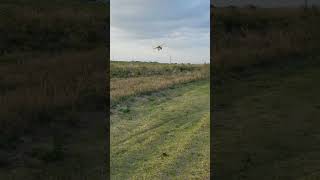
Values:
[(165, 154)]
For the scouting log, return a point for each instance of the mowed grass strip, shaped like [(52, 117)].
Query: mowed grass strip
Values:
[(163, 137)]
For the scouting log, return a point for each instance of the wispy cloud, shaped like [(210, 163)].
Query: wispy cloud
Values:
[(138, 25)]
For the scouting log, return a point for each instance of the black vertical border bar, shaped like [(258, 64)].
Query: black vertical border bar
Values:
[(107, 118), (211, 90)]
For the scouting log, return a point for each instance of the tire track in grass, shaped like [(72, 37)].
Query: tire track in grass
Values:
[(194, 163), (156, 166), (153, 136), (143, 157), (151, 131), (141, 149), (181, 160), (152, 120), (168, 115)]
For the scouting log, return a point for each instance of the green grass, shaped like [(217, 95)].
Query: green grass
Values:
[(266, 124), (164, 135)]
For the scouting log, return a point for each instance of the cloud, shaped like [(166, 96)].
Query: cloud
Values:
[(183, 25)]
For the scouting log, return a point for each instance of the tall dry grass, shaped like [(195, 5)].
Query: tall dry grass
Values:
[(53, 67), (243, 37), (39, 91), (135, 69), (154, 77), (52, 61), (33, 25)]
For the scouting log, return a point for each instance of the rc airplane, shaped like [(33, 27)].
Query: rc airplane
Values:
[(159, 47)]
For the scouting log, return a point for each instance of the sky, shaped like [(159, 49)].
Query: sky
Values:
[(264, 3), (137, 26)]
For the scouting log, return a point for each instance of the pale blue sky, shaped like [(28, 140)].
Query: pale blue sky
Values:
[(139, 25)]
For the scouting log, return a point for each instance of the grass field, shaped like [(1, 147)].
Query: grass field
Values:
[(245, 37), (266, 100), (162, 135), (268, 128), (53, 71), (136, 78), (161, 131)]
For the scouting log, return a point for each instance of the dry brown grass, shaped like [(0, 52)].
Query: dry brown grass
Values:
[(124, 87), (244, 37), (53, 69), (135, 78), (34, 25), (42, 88)]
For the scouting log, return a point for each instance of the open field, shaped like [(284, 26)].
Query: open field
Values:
[(52, 89), (159, 121), (135, 78), (163, 135), (266, 103)]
